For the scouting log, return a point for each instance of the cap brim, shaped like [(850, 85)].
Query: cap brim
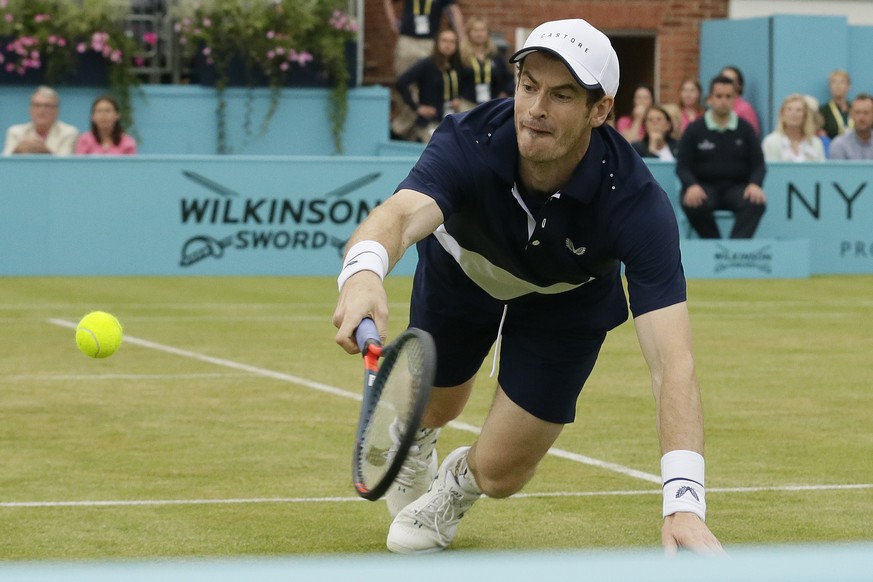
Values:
[(582, 76)]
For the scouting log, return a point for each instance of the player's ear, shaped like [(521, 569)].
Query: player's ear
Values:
[(600, 110)]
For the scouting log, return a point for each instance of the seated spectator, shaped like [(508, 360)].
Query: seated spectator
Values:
[(721, 166), (856, 143), (741, 107), (631, 126), (812, 102), (106, 135), (484, 75), (836, 111), (689, 102), (45, 133), (436, 78), (794, 139), (658, 141)]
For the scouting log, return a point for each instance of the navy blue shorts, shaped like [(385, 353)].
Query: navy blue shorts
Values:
[(543, 366)]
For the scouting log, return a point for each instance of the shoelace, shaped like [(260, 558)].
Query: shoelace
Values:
[(411, 467), (442, 509)]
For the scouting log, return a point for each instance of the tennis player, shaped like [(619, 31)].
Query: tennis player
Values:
[(522, 210)]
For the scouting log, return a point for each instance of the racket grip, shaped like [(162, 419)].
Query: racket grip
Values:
[(367, 334)]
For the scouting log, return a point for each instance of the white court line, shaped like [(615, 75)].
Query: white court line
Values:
[(356, 396), (265, 500)]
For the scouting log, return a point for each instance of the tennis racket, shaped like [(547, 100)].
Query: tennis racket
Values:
[(397, 383)]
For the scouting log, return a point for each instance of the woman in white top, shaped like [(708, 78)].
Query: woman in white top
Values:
[(794, 139)]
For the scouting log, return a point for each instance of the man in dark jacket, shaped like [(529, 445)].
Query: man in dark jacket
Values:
[(721, 167)]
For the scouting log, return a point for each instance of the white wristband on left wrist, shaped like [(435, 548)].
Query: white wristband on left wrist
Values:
[(682, 473)]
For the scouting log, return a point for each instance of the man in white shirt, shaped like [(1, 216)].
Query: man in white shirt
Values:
[(44, 134)]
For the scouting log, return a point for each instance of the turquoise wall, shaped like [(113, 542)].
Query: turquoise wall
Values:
[(215, 215), (180, 119)]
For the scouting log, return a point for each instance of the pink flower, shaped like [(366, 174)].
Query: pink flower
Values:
[(9, 18), (41, 18), (139, 61), (207, 22), (271, 35), (271, 55), (62, 42), (116, 56), (284, 66), (10, 67), (52, 39), (81, 47), (207, 51), (150, 38)]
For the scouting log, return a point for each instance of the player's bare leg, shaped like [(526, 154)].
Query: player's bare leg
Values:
[(500, 463)]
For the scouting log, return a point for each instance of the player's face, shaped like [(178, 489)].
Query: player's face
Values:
[(552, 118)]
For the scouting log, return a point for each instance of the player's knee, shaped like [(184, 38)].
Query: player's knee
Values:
[(501, 483)]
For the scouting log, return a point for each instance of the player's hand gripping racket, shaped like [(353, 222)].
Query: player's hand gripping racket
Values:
[(397, 383)]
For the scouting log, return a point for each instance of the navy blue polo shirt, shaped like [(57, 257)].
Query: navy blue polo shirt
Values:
[(562, 258)]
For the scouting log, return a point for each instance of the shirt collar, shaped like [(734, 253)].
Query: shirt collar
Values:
[(733, 122)]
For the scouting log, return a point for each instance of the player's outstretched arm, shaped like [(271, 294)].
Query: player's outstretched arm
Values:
[(665, 339), (374, 248)]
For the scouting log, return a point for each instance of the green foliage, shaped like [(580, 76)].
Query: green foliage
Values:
[(269, 40), (52, 35)]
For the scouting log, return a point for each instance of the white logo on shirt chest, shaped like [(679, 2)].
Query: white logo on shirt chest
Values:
[(578, 252)]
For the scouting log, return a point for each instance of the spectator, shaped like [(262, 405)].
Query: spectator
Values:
[(45, 133), (818, 118), (721, 166), (742, 107), (836, 111), (436, 80), (484, 74), (658, 141), (417, 28), (107, 135), (689, 102), (631, 126), (856, 143), (794, 139)]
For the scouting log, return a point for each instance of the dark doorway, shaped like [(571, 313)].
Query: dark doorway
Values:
[(636, 58)]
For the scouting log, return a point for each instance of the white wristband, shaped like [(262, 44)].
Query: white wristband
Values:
[(683, 475), (366, 255)]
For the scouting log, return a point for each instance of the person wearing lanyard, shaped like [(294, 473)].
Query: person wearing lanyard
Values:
[(437, 84), (416, 29), (484, 76), (836, 111)]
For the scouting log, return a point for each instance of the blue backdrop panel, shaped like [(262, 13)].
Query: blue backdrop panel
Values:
[(188, 216), (745, 44), (181, 119), (860, 49), (242, 215), (805, 51)]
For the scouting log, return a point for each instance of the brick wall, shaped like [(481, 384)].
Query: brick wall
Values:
[(676, 24)]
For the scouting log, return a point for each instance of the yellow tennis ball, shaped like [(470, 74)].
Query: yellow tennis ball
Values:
[(98, 334)]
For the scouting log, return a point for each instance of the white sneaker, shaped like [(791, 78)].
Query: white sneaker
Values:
[(429, 523), (418, 470)]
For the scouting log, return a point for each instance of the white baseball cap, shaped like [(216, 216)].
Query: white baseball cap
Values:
[(585, 50)]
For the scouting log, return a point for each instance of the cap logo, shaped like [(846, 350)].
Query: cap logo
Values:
[(567, 37)]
